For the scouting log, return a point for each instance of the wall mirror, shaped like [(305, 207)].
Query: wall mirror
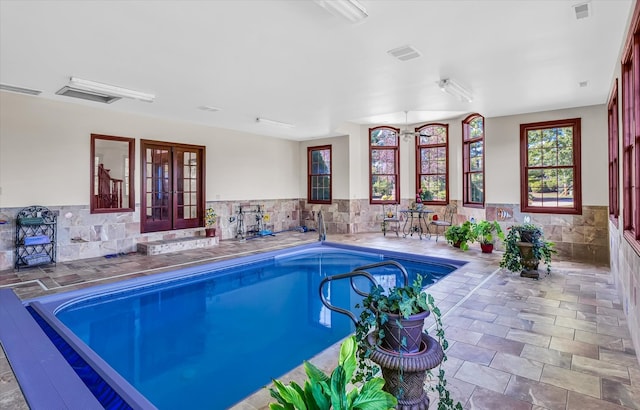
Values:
[(112, 174)]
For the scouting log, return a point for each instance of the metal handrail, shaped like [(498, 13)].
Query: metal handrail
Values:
[(405, 275), (359, 271), (322, 229)]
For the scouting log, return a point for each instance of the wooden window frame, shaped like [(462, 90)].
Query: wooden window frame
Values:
[(466, 162), (577, 173), (310, 174), (419, 174), (128, 184), (614, 168), (631, 133), (396, 154)]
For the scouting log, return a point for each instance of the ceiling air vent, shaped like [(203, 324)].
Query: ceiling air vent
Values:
[(87, 95), (404, 53), (582, 10)]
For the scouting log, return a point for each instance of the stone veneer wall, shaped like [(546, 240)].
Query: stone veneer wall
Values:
[(84, 235), (625, 268), (352, 216), (582, 238), (81, 234)]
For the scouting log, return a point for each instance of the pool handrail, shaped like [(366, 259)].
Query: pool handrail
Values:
[(359, 271), (322, 228), (397, 264)]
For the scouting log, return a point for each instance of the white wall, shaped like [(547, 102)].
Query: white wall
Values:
[(45, 149), (502, 155)]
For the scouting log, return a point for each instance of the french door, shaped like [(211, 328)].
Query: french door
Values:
[(172, 194)]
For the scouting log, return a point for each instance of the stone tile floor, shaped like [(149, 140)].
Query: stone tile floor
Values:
[(561, 342)]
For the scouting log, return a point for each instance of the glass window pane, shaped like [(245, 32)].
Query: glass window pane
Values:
[(535, 158), (534, 139), (383, 187), (534, 179), (383, 161), (565, 187), (565, 155), (476, 128), (384, 137), (476, 191), (549, 138), (550, 156)]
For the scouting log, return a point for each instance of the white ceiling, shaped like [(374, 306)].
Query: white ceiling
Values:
[(292, 61)]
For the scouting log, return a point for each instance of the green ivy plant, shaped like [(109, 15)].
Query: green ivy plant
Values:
[(542, 249), (321, 391), (461, 234), (406, 301)]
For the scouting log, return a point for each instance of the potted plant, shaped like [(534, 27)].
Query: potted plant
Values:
[(525, 247), (390, 332), (210, 219), (459, 235), (486, 233), (321, 391)]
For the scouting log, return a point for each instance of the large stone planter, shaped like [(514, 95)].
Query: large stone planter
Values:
[(405, 373), (529, 261)]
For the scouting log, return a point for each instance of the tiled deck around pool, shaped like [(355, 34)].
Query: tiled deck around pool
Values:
[(558, 343)]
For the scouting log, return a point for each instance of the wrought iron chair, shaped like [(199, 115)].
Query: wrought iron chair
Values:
[(444, 222), (390, 219)]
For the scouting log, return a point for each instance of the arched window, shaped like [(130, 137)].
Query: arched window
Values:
[(473, 161), (384, 163), (432, 164)]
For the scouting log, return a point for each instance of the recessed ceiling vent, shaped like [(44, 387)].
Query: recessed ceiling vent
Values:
[(87, 95), (582, 10), (404, 53), (19, 90)]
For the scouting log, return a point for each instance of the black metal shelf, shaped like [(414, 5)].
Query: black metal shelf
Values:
[(31, 222)]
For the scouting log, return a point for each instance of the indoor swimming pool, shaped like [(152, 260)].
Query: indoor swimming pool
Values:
[(209, 336)]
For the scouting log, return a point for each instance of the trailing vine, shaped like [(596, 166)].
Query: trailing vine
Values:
[(542, 249), (406, 301)]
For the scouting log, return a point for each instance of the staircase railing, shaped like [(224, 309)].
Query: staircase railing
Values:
[(359, 271)]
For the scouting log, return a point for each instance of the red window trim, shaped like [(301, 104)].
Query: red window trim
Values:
[(577, 181), (396, 156), (418, 161), (614, 167), (466, 165), (310, 175), (630, 67)]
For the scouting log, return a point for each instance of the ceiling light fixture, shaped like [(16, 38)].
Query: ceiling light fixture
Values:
[(451, 87), (113, 90), (20, 90), (267, 121), (351, 10), (209, 108)]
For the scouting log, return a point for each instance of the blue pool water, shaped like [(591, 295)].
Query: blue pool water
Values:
[(214, 336)]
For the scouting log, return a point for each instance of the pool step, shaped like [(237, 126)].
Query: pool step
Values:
[(176, 245)]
